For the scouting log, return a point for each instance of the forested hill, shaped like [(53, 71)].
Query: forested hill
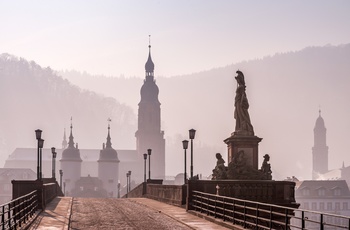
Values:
[(33, 97), (285, 92)]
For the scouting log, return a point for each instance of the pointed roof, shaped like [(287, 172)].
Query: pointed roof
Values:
[(108, 154), (71, 142), (71, 153), (149, 66), (109, 143), (320, 122), (64, 142)]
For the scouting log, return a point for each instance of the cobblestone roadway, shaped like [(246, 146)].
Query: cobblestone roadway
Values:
[(91, 213)]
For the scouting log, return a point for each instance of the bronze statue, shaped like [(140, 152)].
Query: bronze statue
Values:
[(243, 124)]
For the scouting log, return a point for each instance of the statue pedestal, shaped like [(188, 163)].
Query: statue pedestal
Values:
[(249, 144)]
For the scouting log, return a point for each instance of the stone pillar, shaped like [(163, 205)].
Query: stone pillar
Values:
[(250, 146)]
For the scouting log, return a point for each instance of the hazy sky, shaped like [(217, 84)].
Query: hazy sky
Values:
[(111, 37)]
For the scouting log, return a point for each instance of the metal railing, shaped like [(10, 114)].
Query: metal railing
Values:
[(256, 215), (18, 211)]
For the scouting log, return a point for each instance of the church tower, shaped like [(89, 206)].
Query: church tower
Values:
[(320, 149), (108, 167), (71, 164), (149, 134)]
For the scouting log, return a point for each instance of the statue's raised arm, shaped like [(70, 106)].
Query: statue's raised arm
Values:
[(243, 124)]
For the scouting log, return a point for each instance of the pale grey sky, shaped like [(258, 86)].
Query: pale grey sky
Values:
[(111, 37)]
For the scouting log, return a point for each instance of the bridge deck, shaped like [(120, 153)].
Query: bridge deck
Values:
[(133, 213)]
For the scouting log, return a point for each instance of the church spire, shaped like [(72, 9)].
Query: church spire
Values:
[(109, 143), (320, 148), (149, 66), (71, 142), (64, 142)]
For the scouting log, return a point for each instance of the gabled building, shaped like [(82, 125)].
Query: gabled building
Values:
[(9, 174), (329, 196)]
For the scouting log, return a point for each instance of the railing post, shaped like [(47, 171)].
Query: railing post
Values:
[(245, 214), (208, 213), (233, 212), (3, 217), (223, 208), (9, 215), (302, 220), (270, 217), (321, 222), (286, 218), (257, 216), (201, 202), (215, 203)]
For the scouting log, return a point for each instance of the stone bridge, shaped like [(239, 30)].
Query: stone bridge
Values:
[(110, 213)]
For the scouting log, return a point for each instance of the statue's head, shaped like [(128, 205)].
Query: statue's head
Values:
[(267, 157), (240, 77), (218, 156)]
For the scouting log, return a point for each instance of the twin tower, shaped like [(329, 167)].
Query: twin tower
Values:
[(111, 170)]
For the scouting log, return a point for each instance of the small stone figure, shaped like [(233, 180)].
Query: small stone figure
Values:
[(266, 168), (219, 172), (243, 124)]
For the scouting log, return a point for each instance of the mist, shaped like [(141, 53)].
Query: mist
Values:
[(285, 96)]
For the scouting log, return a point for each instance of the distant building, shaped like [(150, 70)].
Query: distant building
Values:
[(9, 174), (90, 187), (320, 149), (149, 134), (331, 196), (102, 172), (71, 164), (320, 157)]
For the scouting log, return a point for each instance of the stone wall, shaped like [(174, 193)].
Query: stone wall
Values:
[(47, 189), (265, 191), (172, 194)]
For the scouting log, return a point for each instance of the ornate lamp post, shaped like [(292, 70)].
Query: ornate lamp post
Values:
[(127, 184), (192, 133), (54, 154), (145, 158), (38, 137), (41, 145), (129, 181), (118, 190), (185, 146), (61, 175), (149, 163), (64, 188)]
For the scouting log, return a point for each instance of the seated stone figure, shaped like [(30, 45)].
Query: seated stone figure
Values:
[(266, 168), (219, 173)]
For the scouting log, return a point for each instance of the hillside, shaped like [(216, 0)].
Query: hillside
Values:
[(285, 92), (34, 97)]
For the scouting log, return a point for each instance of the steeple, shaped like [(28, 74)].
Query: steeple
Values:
[(64, 142), (109, 144), (320, 148), (149, 66), (149, 134), (71, 142)]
